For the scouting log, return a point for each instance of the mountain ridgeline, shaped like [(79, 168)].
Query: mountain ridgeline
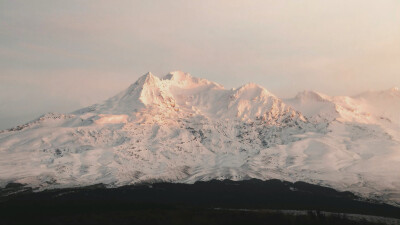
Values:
[(184, 129)]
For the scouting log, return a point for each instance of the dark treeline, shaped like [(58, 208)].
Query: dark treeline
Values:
[(168, 203)]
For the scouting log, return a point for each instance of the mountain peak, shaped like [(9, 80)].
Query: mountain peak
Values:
[(250, 85), (148, 78), (142, 82), (253, 89), (177, 76), (391, 92), (312, 96)]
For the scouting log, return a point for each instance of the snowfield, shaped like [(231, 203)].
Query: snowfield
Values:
[(183, 129)]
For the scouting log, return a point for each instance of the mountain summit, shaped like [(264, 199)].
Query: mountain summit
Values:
[(180, 94), (180, 128)]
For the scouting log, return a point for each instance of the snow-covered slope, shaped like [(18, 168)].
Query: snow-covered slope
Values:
[(182, 129), (385, 103), (360, 151)]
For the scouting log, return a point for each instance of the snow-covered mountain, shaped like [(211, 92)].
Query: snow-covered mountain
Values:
[(183, 129)]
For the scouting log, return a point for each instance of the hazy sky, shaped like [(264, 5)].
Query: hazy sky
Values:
[(57, 56)]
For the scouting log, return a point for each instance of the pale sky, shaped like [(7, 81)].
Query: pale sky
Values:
[(58, 56)]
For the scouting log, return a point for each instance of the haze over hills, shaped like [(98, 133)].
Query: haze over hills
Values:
[(179, 128)]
